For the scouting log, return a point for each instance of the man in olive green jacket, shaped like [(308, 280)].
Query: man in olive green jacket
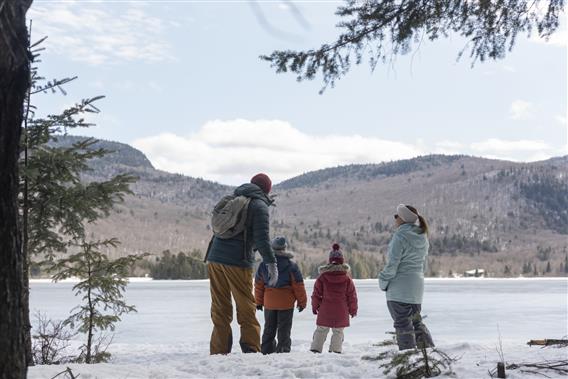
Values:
[(230, 268)]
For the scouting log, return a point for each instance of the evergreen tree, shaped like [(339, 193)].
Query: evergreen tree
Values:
[(527, 268), (55, 202), (548, 195), (387, 28), (102, 287), (180, 266), (431, 268)]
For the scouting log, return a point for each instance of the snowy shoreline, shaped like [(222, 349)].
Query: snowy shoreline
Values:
[(148, 279), (169, 335)]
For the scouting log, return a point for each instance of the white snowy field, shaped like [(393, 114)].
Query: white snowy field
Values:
[(169, 335)]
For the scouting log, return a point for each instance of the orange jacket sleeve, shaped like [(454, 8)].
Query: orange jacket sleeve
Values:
[(258, 288), (259, 292), (299, 292)]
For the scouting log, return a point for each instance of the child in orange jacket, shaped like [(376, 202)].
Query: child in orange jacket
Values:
[(278, 300)]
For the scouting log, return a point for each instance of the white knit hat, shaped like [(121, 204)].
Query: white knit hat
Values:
[(279, 243), (406, 214)]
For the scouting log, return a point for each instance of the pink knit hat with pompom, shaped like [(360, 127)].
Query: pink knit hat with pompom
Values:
[(335, 255)]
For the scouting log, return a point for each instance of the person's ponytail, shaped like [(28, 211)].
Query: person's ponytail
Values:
[(421, 219), (423, 225)]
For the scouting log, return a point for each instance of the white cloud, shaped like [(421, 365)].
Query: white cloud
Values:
[(515, 150), (95, 34), (560, 119), (232, 151), (496, 145), (521, 110)]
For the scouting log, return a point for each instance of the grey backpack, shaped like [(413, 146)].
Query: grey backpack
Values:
[(229, 216)]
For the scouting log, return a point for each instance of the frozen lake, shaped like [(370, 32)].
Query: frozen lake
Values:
[(467, 310)]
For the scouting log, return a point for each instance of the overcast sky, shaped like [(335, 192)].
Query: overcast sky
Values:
[(184, 84)]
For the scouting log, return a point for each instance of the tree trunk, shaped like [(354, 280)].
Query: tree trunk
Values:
[(14, 82), (91, 326), (25, 239), (92, 309), (26, 302)]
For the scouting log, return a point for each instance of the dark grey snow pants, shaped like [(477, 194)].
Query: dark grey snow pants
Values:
[(277, 323), (410, 330)]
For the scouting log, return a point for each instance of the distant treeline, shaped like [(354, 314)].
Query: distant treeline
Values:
[(363, 266), (191, 266), (460, 244), (178, 266)]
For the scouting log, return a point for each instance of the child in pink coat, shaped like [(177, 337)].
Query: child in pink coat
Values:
[(334, 299)]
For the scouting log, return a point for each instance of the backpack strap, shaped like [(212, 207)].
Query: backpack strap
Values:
[(245, 231)]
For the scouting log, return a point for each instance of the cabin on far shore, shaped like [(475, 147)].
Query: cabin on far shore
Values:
[(476, 273)]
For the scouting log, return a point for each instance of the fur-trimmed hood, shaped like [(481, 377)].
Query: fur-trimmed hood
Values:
[(284, 253), (331, 268)]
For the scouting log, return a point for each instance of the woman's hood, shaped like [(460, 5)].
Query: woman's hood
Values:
[(413, 235)]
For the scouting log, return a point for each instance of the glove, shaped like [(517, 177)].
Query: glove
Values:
[(315, 311), (300, 309), (259, 307), (352, 316), (272, 274)]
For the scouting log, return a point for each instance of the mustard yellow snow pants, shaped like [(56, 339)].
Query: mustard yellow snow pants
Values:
[(236, 281)]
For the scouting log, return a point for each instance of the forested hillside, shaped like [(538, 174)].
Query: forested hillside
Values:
[(504, 217)]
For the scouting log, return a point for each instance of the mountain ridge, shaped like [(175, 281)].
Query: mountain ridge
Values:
[(486, 213), (130, 156)]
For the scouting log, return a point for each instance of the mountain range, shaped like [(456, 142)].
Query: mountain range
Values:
[(506, 218)]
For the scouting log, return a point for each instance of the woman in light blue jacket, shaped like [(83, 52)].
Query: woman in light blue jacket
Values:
[(403, 278)]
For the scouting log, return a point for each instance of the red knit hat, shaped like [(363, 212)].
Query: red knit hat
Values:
[(335, 255), (263, 181)]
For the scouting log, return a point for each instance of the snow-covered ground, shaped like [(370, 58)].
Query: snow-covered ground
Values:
[(169, 336)]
